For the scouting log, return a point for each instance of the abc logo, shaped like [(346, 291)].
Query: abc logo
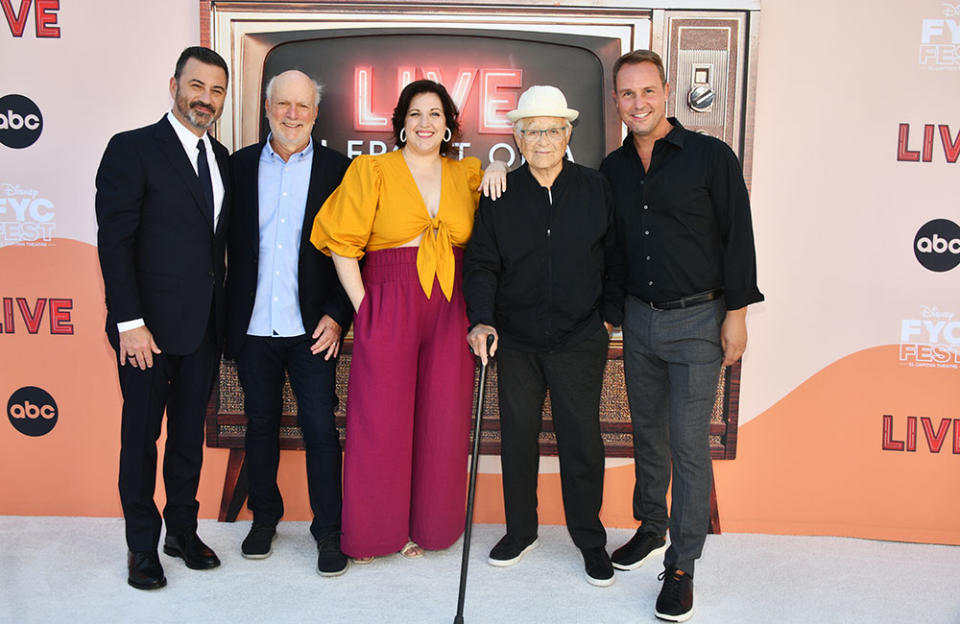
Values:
[(32, 411), (937, 245), (20, 121)]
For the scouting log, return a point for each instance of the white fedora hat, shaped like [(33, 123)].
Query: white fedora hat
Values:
[(542, 101)]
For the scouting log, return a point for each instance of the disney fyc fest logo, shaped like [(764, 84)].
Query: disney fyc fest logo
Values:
[(32, 411), (26, 218), (940, 40), (931, 341)]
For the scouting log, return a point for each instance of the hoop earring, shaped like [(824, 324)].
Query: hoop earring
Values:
[(403, 135), (447, 135)]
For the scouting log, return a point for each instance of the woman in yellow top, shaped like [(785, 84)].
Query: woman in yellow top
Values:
[(410, 213)]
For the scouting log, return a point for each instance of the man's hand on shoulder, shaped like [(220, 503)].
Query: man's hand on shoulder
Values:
[(137, 348), (327, 336), (733, 335)]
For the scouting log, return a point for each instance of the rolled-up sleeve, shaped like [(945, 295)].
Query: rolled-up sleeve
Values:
[(344, 223), (732, 205)]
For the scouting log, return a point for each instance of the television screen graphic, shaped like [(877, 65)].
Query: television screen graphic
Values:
[(363, 73)]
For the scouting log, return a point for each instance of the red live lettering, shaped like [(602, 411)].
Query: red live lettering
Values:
[(59, 313), (935, 436), (44, 15), (949, 144)]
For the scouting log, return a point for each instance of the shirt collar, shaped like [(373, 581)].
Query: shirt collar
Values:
[(186, 136), (303, 154), (676, 135), (561, 179)]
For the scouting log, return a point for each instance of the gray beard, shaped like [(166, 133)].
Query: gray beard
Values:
[(196, 121)]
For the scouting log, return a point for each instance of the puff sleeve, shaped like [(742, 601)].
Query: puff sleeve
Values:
[(474, 175), (344, 222)]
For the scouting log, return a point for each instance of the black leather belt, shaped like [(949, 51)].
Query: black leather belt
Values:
[(686, 302)]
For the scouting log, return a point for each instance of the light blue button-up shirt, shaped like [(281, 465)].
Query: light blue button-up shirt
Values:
[(283, 198)]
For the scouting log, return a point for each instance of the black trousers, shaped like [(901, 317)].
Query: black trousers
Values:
[(181, 384), (260, 367), (574, 376)]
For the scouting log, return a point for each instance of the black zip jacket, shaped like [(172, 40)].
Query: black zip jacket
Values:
[(537, 261)]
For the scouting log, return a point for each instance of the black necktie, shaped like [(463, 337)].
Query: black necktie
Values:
[(203, 172)]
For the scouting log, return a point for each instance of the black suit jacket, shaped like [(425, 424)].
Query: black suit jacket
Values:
[(160, 257), (320, 289)]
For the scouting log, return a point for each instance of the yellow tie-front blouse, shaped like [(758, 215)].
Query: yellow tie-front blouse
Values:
[(378, 205)]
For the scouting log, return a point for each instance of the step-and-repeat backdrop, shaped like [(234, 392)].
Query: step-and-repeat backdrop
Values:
[(850, 403)]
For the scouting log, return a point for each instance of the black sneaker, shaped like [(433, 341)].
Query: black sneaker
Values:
[(675, 602), (510, 549), (641, 547), (330, 559), (257, 544), (597, 564)]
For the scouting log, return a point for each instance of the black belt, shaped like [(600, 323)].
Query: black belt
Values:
[(686, 302)]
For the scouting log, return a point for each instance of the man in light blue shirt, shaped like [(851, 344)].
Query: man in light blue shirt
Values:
[(287, 313)]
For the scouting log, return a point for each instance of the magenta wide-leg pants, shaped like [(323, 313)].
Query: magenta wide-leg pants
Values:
[(408, 411)]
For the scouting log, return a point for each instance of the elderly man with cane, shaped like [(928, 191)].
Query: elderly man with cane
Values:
[(534, 273)]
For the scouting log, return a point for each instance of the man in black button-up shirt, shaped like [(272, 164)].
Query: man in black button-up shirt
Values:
[(533, 278), (683, 223)]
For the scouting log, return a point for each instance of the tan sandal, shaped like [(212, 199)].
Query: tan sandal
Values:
[(411, 550), (363, 560)]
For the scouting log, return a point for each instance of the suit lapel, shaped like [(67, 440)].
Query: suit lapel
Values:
[(313, 206), (251, 202), (171, 147), (223, 164)]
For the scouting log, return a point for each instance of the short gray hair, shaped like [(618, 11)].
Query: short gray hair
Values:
[(318, 88)]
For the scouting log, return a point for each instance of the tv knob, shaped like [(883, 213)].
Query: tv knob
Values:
[(701, 98)]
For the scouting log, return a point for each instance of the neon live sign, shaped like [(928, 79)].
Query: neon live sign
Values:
[(497, 90)]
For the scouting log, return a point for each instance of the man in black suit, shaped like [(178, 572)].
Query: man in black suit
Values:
[(162, 205), (286, 312)]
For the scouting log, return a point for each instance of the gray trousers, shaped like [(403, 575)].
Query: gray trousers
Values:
[(672, 365)]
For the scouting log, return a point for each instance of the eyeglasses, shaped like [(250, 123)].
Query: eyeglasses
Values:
[(555, 135)]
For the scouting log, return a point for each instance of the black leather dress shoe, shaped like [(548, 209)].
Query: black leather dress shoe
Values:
[(196, 554), (144, 570)]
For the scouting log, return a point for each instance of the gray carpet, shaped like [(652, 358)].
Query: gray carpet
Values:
[(73, 570)]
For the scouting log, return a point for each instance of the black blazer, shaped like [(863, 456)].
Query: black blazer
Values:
[(160, 257), (320, 289)]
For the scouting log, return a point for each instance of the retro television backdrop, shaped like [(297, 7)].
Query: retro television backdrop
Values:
[(365, 52)]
